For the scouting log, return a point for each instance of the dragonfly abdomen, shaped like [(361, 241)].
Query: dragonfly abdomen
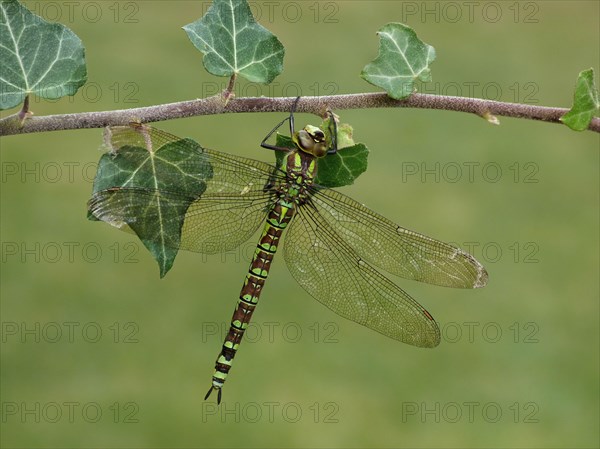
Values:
[(277, 220)]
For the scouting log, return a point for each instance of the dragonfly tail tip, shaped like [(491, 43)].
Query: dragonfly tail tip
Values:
[(210, 390)]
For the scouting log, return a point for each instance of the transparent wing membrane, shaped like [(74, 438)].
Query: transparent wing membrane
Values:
[(330, 270), (397, 250)]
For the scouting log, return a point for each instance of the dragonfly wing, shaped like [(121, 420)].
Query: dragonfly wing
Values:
[(220, 223), (397, 250), (212, 224), (231, 201), (335, 275), (234, 205)]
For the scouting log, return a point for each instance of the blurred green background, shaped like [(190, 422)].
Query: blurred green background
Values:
[(97, 351)]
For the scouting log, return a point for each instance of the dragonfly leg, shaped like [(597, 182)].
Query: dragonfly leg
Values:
[(332, 133), (268, 146), (292, 110)]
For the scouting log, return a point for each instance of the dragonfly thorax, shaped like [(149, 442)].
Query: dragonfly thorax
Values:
[(300, 169), (311, 140)]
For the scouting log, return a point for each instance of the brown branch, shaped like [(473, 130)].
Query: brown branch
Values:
[(315, 105)]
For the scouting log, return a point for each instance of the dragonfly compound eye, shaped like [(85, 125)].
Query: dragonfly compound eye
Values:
[(311, 140), (305, 141)]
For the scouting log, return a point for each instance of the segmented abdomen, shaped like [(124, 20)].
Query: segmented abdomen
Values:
[(277, 220)]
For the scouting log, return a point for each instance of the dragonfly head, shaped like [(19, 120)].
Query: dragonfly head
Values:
[(311, 140)]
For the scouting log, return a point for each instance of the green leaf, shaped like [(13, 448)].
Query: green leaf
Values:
[(233, 43), (136, 187), (285, 142), (342, 168), (41, 58), (585, 102), (334, 170), (402, 59)]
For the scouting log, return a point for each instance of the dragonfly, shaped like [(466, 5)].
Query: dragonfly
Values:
[(334, 247)]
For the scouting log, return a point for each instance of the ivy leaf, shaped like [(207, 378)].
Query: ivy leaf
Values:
[(233, 43), (585, 102), (342, 168), (348, 163), (146, 183), (285, 142), (402, 58), (38, 57)]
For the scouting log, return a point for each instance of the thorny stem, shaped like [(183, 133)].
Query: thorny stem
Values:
[(316, 105)]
